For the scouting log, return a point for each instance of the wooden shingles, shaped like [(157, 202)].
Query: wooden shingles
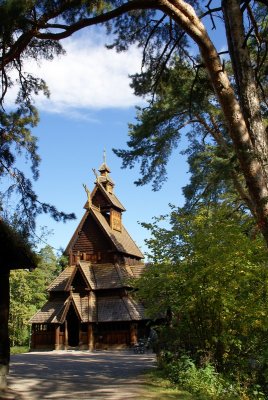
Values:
[(60, 283), (90, 308), (119, 309), (135, 308), (88, 273), (97, 276), (112, 309), (85, 306), (51, 312), (137, 270), (106, 276), (109, 198), (76, 232), (112, 199)]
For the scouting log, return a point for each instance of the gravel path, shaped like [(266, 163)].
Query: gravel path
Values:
[(75, 375)]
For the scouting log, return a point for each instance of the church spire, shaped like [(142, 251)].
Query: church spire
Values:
[(104, 156), (104, 177)]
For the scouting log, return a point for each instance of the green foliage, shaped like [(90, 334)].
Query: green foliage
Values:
[(209, 274), (19, 349), (21, 308), (159, 387), (28, 294), (158, 129), (178, 90), (206, 383), (16, 139)]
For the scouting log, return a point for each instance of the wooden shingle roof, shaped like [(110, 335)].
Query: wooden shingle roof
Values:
[(112, 309), (107, 276), (137, 270), (90, 308), (60, 283), (119, 309), (85, 306), (121, 240), (51, 312), (88, 273), (111, 197), (97, 276), (135, 308)]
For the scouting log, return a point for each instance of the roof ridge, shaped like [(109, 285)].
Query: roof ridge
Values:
[(95, 280), (75, 234), (73, 301), (67, 286), (125, 299), (61, 275), (83, 274), (119, 272), (109, 197)]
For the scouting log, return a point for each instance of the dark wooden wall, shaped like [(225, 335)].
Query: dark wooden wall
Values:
[(92, 241)]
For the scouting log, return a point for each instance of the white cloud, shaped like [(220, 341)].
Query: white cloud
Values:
[(88, 76)]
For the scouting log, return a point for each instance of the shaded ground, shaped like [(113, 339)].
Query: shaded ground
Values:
[(79, 375)]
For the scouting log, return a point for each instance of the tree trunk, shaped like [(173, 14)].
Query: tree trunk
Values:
[(4, 337), (244, 77), (251, 161)]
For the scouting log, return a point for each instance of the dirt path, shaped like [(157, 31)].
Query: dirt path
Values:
[(75, 375)]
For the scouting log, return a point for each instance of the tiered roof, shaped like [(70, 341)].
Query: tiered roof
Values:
[(102, 294), (96, 276), (88, 306)]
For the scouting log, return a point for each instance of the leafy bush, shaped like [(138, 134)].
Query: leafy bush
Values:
[(205, 382), (209, 276)]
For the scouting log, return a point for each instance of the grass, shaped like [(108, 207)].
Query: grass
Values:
[(156, 387), (19, 349)]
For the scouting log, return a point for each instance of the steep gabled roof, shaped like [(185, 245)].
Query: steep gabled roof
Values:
[(121, 240), (137, 270), (111, 198), (135, 308), (75, 235), (88, 273)]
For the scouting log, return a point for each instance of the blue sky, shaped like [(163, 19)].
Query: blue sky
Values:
[(70, 148), (89, 109)]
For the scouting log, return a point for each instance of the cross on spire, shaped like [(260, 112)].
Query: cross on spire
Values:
[(104, 156)]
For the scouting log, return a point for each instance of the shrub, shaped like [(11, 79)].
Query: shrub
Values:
[(206, 383)]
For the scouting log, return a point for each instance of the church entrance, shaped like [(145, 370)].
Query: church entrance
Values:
[(73, 324)]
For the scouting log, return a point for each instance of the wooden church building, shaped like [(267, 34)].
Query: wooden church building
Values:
[(90, 304)]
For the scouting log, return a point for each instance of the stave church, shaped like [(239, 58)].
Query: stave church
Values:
[(90, 305)]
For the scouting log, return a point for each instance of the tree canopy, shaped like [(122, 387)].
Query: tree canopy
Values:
[(209, 270), (208, 276), (225, 101), (28, 293)]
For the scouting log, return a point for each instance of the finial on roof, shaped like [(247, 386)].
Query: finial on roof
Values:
[(88, 196), (95, 173)]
